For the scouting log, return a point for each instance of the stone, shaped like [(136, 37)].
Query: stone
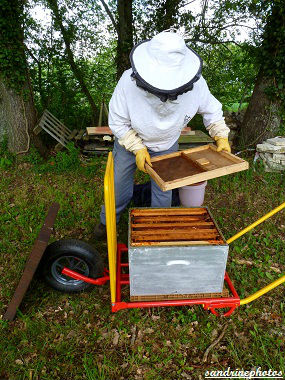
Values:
[(266, 157), (269, 170), (278, 141), (278, 156), (265, 147), (274, 166)]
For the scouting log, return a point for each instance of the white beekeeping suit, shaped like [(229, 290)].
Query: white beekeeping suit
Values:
[(136, 112)]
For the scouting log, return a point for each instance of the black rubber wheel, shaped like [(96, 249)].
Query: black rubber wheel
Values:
[(74, 254)]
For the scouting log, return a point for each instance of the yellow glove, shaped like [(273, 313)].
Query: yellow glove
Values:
[(142, 156), (222, 144)]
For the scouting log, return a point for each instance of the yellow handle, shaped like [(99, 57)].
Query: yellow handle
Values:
[(273, 284), (262, 291), (251, 226)]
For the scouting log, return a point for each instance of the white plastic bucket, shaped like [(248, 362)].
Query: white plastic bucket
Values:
[(193, 195)]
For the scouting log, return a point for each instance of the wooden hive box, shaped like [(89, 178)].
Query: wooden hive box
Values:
[(174, 170), (175, 253)]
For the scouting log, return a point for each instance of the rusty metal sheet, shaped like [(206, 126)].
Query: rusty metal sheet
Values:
[(32, 262)]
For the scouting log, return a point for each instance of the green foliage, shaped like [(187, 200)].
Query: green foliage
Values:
[(12, 58), (6, 157), (235, 107), (230, 72), (271, 55), (64, 161), (34, 157)]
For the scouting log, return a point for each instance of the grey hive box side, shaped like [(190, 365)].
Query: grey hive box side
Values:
[(177, 270)]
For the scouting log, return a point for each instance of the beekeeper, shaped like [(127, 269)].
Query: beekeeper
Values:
[(152, 102)]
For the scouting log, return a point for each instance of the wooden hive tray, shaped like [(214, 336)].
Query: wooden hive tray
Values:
[(174, 226), (194, 165)]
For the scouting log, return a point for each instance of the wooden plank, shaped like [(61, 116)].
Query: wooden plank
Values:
[(59, 146), (57, 126), (53, 128), (73, 134), (99, 131), (161, 297), (55, 134), (172, 233), (171, 243), (169, 211), (170, 155), (175, 154), (203, 161), (49, 126), (171, 218), (32, 262), (80, 134), (174, 225), (174, 236), (56, 121), (37, 129)]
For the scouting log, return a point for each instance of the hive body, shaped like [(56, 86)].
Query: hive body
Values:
[(175, 253)]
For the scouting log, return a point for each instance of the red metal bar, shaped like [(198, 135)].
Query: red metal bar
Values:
[(122, 278), (118, 276), (208, 303), (231, 285), (77, 276)]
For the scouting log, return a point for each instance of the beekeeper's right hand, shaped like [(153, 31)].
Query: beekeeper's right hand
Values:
[(133, 143), (142, 156)]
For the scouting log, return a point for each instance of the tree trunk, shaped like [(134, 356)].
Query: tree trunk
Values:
[(18, 118), (17, 110), (263, 115), (262, 118), (70, 58), (125, 35)]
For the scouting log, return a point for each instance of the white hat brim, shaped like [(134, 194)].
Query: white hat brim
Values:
[(164, 77)]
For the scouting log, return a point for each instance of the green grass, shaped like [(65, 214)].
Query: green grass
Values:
[(61, 336)]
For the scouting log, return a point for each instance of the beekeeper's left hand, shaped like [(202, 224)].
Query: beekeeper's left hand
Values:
[(222, 144)]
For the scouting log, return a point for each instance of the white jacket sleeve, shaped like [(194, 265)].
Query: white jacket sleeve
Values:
[(211, 110), (119, 118)]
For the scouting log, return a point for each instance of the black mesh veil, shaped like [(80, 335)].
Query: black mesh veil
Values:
[(164, 95)]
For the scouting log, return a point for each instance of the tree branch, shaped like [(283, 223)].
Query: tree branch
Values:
[(109, 13), (230, 26), (212, 42), (185, 5)]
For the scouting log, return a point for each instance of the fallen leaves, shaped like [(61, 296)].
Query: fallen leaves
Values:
[(116, 337)]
